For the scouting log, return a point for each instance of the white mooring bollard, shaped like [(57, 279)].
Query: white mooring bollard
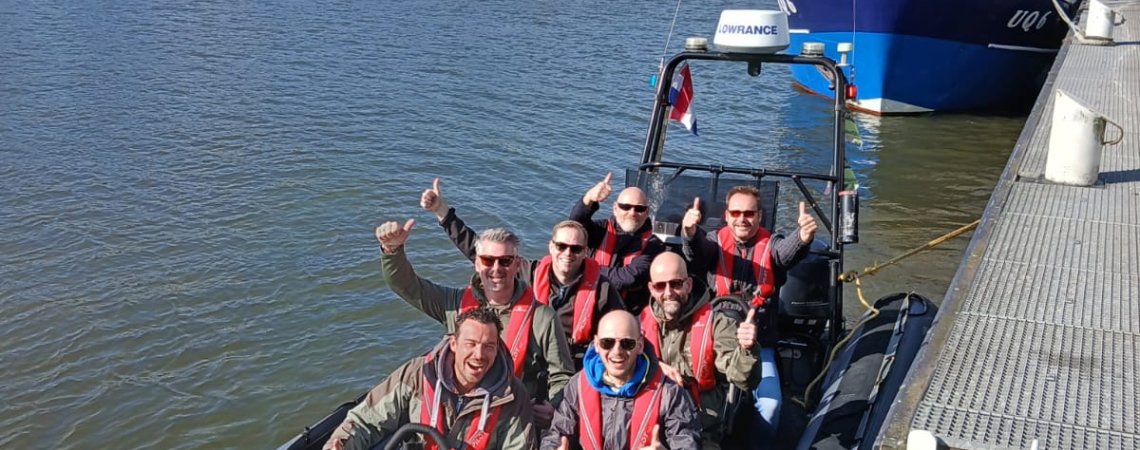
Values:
[(1100, 23), (1076, 140)]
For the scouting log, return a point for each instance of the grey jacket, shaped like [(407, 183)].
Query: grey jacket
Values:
[(734, 364), (562, 297), (680, 424), (703, 255), (547, 367), (398, 400)]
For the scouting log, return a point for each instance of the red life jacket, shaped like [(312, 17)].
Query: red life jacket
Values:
[(431, 411), (517, 331), (701, 353), (604, 254), (584, 302), (646, 414), (761, 265)]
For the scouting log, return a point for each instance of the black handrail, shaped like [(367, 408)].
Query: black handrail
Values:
[(655, 138)]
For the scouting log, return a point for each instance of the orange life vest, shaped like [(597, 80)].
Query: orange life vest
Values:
[(517, 331), (701, 353), (646, 414), (604, 254), (584, 302), (431, 411), (761, 265)]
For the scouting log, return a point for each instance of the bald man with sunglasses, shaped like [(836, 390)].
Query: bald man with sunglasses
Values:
[(696, 342), (621, 400), (565, 279), (744, 259), (540, 356), (623, 245)]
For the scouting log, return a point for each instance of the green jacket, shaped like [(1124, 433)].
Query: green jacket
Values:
[(399, 400), (734, 364), (547, 352)]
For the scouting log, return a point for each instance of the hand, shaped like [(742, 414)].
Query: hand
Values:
[(600, 192), (432, 201), (807, 225), (334, 444), (392, 236), (543, 414), (672, 373), (691, 219), (746, 332), (565, 444), (336, 441), (655, 443)]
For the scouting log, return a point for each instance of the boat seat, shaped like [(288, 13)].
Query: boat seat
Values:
[(670, 196)]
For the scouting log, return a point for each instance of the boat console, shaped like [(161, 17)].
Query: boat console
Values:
[(808, 326)]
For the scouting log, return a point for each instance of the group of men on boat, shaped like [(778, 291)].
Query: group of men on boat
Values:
[(608, 342)]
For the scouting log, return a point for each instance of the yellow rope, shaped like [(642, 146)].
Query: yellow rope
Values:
[(872, 312), (868, 271)]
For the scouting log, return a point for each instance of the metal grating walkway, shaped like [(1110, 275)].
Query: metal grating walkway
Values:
[(1039, 335)]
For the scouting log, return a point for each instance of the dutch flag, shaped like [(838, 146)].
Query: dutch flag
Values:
[(681, 97)]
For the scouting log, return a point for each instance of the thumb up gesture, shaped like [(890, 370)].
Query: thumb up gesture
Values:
[(807, 224), (432, 201), (655, 444), (600, 192), (392, 236), (691, 219), (746, 332)]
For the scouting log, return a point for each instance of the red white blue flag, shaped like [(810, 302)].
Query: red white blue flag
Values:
[(681, 97)]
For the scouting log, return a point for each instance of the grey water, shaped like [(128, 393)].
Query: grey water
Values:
[(188, 189)]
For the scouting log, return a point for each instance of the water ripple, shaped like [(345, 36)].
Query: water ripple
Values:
[(190, 189)]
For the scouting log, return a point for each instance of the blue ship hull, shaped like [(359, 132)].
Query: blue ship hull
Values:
[(915, 56)]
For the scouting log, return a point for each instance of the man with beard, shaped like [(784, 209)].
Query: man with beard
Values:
[(565, 279), (624, 244), (699, 348), (744, 259), (463, 388), (533, 334), (621, 400)]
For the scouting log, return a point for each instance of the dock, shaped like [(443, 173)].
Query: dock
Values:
[(1037, 345)]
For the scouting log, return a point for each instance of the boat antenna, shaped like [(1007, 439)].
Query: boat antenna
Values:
[(854, 8), (665, 51)]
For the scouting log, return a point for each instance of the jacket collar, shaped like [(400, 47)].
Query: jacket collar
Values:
[(495, 383), (593, 368)]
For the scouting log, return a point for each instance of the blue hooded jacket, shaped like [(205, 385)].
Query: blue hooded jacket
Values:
[(594, 368)]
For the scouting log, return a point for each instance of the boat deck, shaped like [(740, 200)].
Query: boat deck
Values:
[(1038, 344)]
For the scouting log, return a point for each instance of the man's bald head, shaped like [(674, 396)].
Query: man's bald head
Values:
[(619, 323), (669, 283), (616, 330), (626, 209), (668, 265), (632, 195)]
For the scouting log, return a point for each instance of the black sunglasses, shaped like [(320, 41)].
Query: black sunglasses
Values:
[(635, 208), (677, 284), (627, 344), (504, 261), (574, 248)]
